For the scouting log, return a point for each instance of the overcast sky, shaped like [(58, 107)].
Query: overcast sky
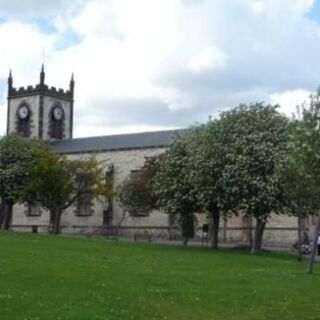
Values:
[(160, 64)]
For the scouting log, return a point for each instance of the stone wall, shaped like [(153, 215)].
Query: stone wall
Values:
[(124, 162), (280, 230), (39, 114), (48, 103), (33, 104)]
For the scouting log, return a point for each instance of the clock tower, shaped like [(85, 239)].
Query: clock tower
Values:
[(40, 111)]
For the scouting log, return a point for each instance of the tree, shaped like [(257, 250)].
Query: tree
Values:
[(299, 164), (15, 157), (206, 162), (301, 193), (56, 182), (173, 188), (251, 138), (135, 193)]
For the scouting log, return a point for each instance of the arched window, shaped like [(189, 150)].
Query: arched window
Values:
[(56, 120), (23, 117), (84, 205)]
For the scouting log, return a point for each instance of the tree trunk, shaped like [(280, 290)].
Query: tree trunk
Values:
[(299, 237), (225, 228), (171, 224), (215, 218), (257, 239), (250, 232), (51, 221), (185, 241), (56, 225), (2, 209), (187, 227), (123, 217), (6, 223), (314, 246)]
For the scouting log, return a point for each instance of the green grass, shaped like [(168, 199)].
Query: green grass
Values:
[(47, 277)]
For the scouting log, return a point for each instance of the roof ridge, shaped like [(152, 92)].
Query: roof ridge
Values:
[(148, 139), (121, 135)]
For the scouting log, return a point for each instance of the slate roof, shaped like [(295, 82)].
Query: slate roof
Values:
[(129, 141)]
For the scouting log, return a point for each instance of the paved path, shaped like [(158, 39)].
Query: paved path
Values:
[(195, 243)]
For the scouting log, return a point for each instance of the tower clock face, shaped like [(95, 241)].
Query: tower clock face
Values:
[(23, 112), (57, 113)]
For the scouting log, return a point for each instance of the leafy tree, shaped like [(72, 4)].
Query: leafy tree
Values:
[(299, 165), (204, 165), (15, 157), (135, 193), (173, 188), (251, 138), (301, 193), (56, 182)]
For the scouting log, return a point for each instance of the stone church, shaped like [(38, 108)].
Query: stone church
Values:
[(47, 113)]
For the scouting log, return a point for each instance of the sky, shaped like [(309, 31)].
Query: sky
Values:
[(148, 65)]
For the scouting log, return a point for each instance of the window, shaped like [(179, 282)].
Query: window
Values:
[(56, 122), (23, 120), (108, 205), (84, 205), (33, 210)]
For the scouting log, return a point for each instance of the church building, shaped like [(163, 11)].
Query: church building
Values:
[(47, 113)]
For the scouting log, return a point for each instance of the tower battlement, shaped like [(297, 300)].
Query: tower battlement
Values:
[(40, 89)]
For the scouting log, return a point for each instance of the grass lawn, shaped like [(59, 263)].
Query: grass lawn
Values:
[(48, 277)]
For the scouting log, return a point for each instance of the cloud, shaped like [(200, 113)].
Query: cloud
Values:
[(21, 46), (209, 58), (290, 100), (16, 9), (162, 63)]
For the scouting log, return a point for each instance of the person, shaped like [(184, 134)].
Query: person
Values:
[(306, 239), (205, 231), (318, 244)]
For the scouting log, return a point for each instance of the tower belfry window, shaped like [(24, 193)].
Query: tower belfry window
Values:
[(23, 120), (56, 122)]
